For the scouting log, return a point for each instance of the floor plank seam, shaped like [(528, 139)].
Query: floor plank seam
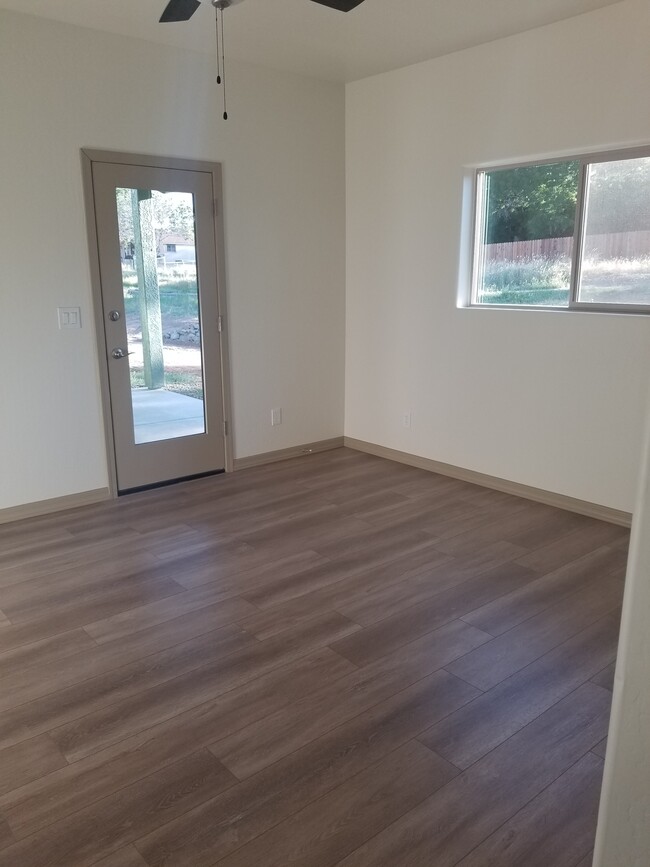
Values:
[(347, 617), (44, 828), (495, 831), (468, 682), (315, 800), (536, 613), (452, 617), (197, 707), (75, 684), (213, 745), (460, 770), (524, 727)]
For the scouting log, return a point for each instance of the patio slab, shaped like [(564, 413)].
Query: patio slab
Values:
[(159, 414)]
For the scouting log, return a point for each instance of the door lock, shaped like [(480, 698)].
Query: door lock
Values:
[(114, 315), (120, 353)]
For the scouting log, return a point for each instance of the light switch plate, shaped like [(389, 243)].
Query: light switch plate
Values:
[(69, 317)]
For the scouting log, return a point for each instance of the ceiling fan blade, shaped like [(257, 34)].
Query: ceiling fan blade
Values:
[(341, 5), (179, 10)]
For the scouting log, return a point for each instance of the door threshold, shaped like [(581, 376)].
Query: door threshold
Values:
[(168, 482)]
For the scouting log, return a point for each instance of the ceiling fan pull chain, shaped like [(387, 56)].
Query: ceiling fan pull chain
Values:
[(216, 11), (223, 67)]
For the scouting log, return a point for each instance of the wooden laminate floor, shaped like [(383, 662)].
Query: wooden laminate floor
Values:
[(336, 660)]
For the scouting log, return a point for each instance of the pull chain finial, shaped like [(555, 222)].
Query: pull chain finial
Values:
[(216, 15)]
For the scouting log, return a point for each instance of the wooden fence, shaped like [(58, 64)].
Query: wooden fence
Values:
[(617, 245)]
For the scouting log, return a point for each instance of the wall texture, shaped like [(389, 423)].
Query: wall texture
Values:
[(282, 152), (548, 399)]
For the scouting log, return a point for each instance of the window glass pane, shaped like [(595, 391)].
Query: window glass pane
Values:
[(161, 305), (526, 234), (616, 241)]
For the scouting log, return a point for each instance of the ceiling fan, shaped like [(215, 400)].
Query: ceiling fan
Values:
[(182, 10)]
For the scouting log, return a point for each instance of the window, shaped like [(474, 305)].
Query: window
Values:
[(571, 234), (171, 248)]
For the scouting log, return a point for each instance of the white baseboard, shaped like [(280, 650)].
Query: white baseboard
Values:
[(549, 498), (285, 454), (560, 501), (56, 504)]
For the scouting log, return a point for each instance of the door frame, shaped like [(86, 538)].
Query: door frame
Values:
[(88, 157)]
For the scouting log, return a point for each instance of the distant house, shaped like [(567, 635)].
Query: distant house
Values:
[(177, 249)]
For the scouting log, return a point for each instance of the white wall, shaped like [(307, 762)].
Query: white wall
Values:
[(553, 400), (623, 838), (282, 150)]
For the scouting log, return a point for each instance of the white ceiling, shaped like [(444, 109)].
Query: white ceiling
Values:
[(306, 38)]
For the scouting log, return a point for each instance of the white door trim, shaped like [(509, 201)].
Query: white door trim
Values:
[(88, 157)]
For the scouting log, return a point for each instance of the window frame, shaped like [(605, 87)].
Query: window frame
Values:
[(478, 226)]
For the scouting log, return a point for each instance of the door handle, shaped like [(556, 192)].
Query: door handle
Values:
[(120, 353)]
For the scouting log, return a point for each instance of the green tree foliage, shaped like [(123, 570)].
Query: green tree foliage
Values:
[(173, 214), (532, 202)]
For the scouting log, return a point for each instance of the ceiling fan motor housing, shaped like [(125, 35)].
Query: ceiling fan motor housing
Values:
[(341, 5)]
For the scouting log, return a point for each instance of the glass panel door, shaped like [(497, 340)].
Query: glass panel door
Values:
[(156, 233)]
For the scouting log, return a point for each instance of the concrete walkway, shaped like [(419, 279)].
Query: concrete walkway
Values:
[(161, 415)]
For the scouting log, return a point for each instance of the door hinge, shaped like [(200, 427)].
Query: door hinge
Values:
[(215, 207), (219, 324), (225, 428)]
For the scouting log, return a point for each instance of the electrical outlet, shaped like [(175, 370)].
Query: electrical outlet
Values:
[(406, 419), (276, 416)]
